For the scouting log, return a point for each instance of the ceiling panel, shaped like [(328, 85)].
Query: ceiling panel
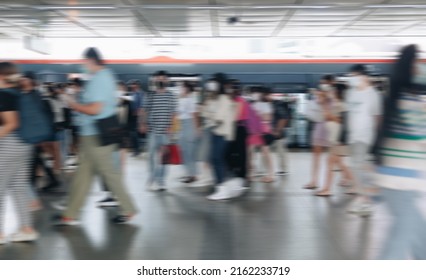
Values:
[(255, 18)]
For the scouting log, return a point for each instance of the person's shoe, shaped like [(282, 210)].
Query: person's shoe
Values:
[(236, 187), (351, 191), (108, 202), (204, 182), (362, 210), (24, 236), (154, 187), (59, 205), (3, 240), (121, 219), (222, 193), (59, 220), (189, 180), (282, 173), (162, 188)]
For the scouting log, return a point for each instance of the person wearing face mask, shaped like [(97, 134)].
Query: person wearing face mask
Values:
[(157, 119), (97, 102), (320, 107), (207, 110), (223, 132), (263, 107), (401, 160), (364, 114), (190, 131)]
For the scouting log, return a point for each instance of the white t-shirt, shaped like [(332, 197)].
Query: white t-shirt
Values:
[(363, 108), (187, 106), (58, 107), (262, 108)]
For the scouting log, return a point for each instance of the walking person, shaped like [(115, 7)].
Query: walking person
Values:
[(223, 132), (263, 107), (401, 160), (207, 109), (364, 116), (318, 108), (28, 87), (136, 106), (336, 130), (280, 121), (98, 102), (189, 131), (15, 158), (237, 153), (157, 119)]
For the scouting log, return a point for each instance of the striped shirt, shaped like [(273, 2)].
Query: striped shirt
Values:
[(160, 108), (404, 148)]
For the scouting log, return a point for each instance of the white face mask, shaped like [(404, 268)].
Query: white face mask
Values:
[(70, 91), (255, 96), (229, 91), (212, 86), (120, 93), (354, 81), (325, 87)]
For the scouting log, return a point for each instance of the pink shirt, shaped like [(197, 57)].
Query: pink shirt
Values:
[(243, 115)]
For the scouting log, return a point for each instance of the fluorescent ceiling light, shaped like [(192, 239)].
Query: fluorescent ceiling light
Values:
[(72, 7), (384, 6)]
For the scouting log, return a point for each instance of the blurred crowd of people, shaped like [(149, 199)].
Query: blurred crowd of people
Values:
[(216, 136)]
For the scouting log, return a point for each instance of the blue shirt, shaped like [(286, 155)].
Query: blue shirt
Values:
[(100, 89)]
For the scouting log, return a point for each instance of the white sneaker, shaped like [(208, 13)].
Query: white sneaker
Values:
[(236, 187), (24, 236), (3, 240), (157, 188), (203, 182), (59, 205), (222, 192), (363, 210), (154, 187)]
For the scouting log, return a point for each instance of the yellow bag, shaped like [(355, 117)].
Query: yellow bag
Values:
[(175, 125)]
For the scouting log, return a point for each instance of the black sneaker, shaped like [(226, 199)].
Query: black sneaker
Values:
[(51, 187), (108, 202), (282, 173), (121, 219)]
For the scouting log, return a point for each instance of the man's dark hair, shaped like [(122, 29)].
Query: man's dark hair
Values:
[(60, 86), (94, 54), (135, 82), (188, 85), (329, 78), (121, 83), (359, 68), (161, 73), (77, 82)]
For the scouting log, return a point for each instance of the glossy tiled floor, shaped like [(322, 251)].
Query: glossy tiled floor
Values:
[(277, 221)]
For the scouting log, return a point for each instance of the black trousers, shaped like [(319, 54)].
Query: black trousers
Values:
[(236, 155), (37, 161)]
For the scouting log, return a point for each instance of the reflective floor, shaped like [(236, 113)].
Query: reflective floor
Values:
[(276, 221)]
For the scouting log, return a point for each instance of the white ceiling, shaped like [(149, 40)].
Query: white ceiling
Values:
[(208, 18)]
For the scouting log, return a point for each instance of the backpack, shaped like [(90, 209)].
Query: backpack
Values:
[(35, 126)]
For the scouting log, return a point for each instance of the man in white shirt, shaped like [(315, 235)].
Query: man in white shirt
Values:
[(364, 113)]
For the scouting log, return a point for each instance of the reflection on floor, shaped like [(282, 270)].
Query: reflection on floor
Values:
[(276, 221)]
